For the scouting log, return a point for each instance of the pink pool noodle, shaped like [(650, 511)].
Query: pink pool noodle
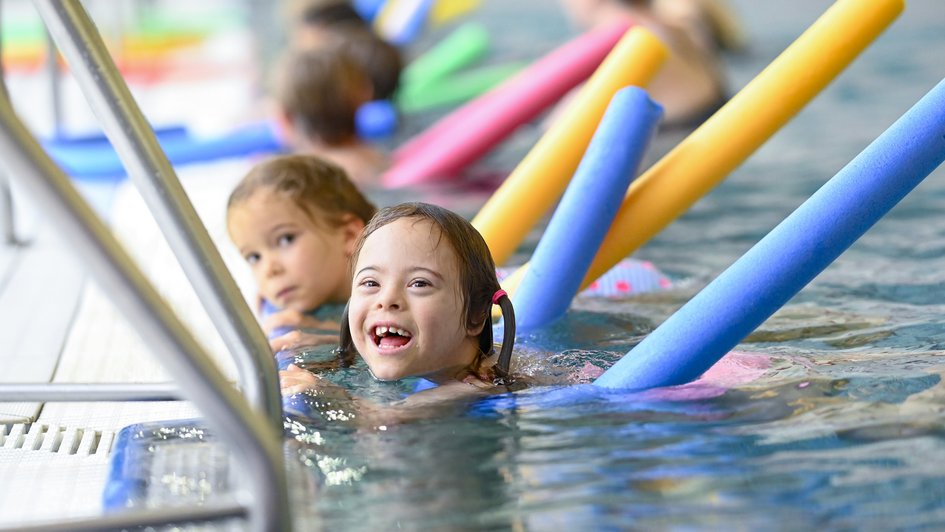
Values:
[(471, 131)]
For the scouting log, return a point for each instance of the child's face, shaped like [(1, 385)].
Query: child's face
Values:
[(297, 263), (406, 308)]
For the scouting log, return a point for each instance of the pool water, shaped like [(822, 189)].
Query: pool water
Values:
[(832, 414), (829, 415)]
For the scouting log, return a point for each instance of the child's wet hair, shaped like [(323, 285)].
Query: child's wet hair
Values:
[(381, 60), (320, 188), (330, 13), (479, 286), (339, 25), (320, 90)]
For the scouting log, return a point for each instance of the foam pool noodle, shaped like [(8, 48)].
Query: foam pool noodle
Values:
[(465, 135), (731, 135), (587, 208), (791, 255), (456, 89), (97, 159), (472, 131), (446, 10), (402, 21), (368, 9), (461, 48), (541, 177)]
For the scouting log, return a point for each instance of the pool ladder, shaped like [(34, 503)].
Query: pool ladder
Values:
[(250, 423)]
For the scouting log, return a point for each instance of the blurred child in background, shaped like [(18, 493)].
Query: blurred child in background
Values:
[(691, 86), (334, 67), (318, 93), (319, 23)]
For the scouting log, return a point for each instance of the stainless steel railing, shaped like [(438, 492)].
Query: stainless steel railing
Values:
[(249, 433), (251, 425), (7, 218), (133, 138)]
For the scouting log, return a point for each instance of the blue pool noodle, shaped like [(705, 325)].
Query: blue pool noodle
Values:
[(94, 158), (791, 255), (368, 9), (586, 209), (163, 133), (97, 159)]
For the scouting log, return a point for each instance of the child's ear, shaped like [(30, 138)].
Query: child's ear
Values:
[(476, 330), (351, 228)]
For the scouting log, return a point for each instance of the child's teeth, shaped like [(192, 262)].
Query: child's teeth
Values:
[(381, 330)]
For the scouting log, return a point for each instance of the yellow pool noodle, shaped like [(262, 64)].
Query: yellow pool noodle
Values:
[(718, 146), (444, 11), (540, 179)]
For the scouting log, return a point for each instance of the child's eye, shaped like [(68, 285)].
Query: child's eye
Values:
[(420, 283), (286, 239), (369, 283), (251, 258)]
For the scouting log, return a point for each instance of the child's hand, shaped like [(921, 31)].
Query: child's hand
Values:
[(296, 338), (295, 380), (295, 319)]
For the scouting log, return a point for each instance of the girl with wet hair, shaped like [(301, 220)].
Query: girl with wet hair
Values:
[(423, 287)]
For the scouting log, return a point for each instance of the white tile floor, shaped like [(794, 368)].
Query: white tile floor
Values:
[(37, 305), (57, 326), (97, 345)]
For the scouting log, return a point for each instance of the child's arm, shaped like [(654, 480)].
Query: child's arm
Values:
[(448, 399), (295, 319), (295, 380), (442, 400), (456, 392), (295, 339)]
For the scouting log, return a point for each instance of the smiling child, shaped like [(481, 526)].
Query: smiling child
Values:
[(423, 287)]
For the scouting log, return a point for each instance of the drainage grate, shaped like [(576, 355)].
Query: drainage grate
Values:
[(55, 439)]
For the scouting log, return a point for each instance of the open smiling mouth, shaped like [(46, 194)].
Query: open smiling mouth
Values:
[(390, 337)]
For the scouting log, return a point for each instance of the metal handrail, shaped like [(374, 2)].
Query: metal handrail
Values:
[(78, 392), (213, 511), (224, 409), (7, 217), (148, 166), (252, 428)]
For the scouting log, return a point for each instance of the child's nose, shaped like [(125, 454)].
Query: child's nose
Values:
[(271, 267), (390, 298)]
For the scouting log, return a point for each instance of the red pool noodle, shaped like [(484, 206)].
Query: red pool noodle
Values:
[(468, 133)]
